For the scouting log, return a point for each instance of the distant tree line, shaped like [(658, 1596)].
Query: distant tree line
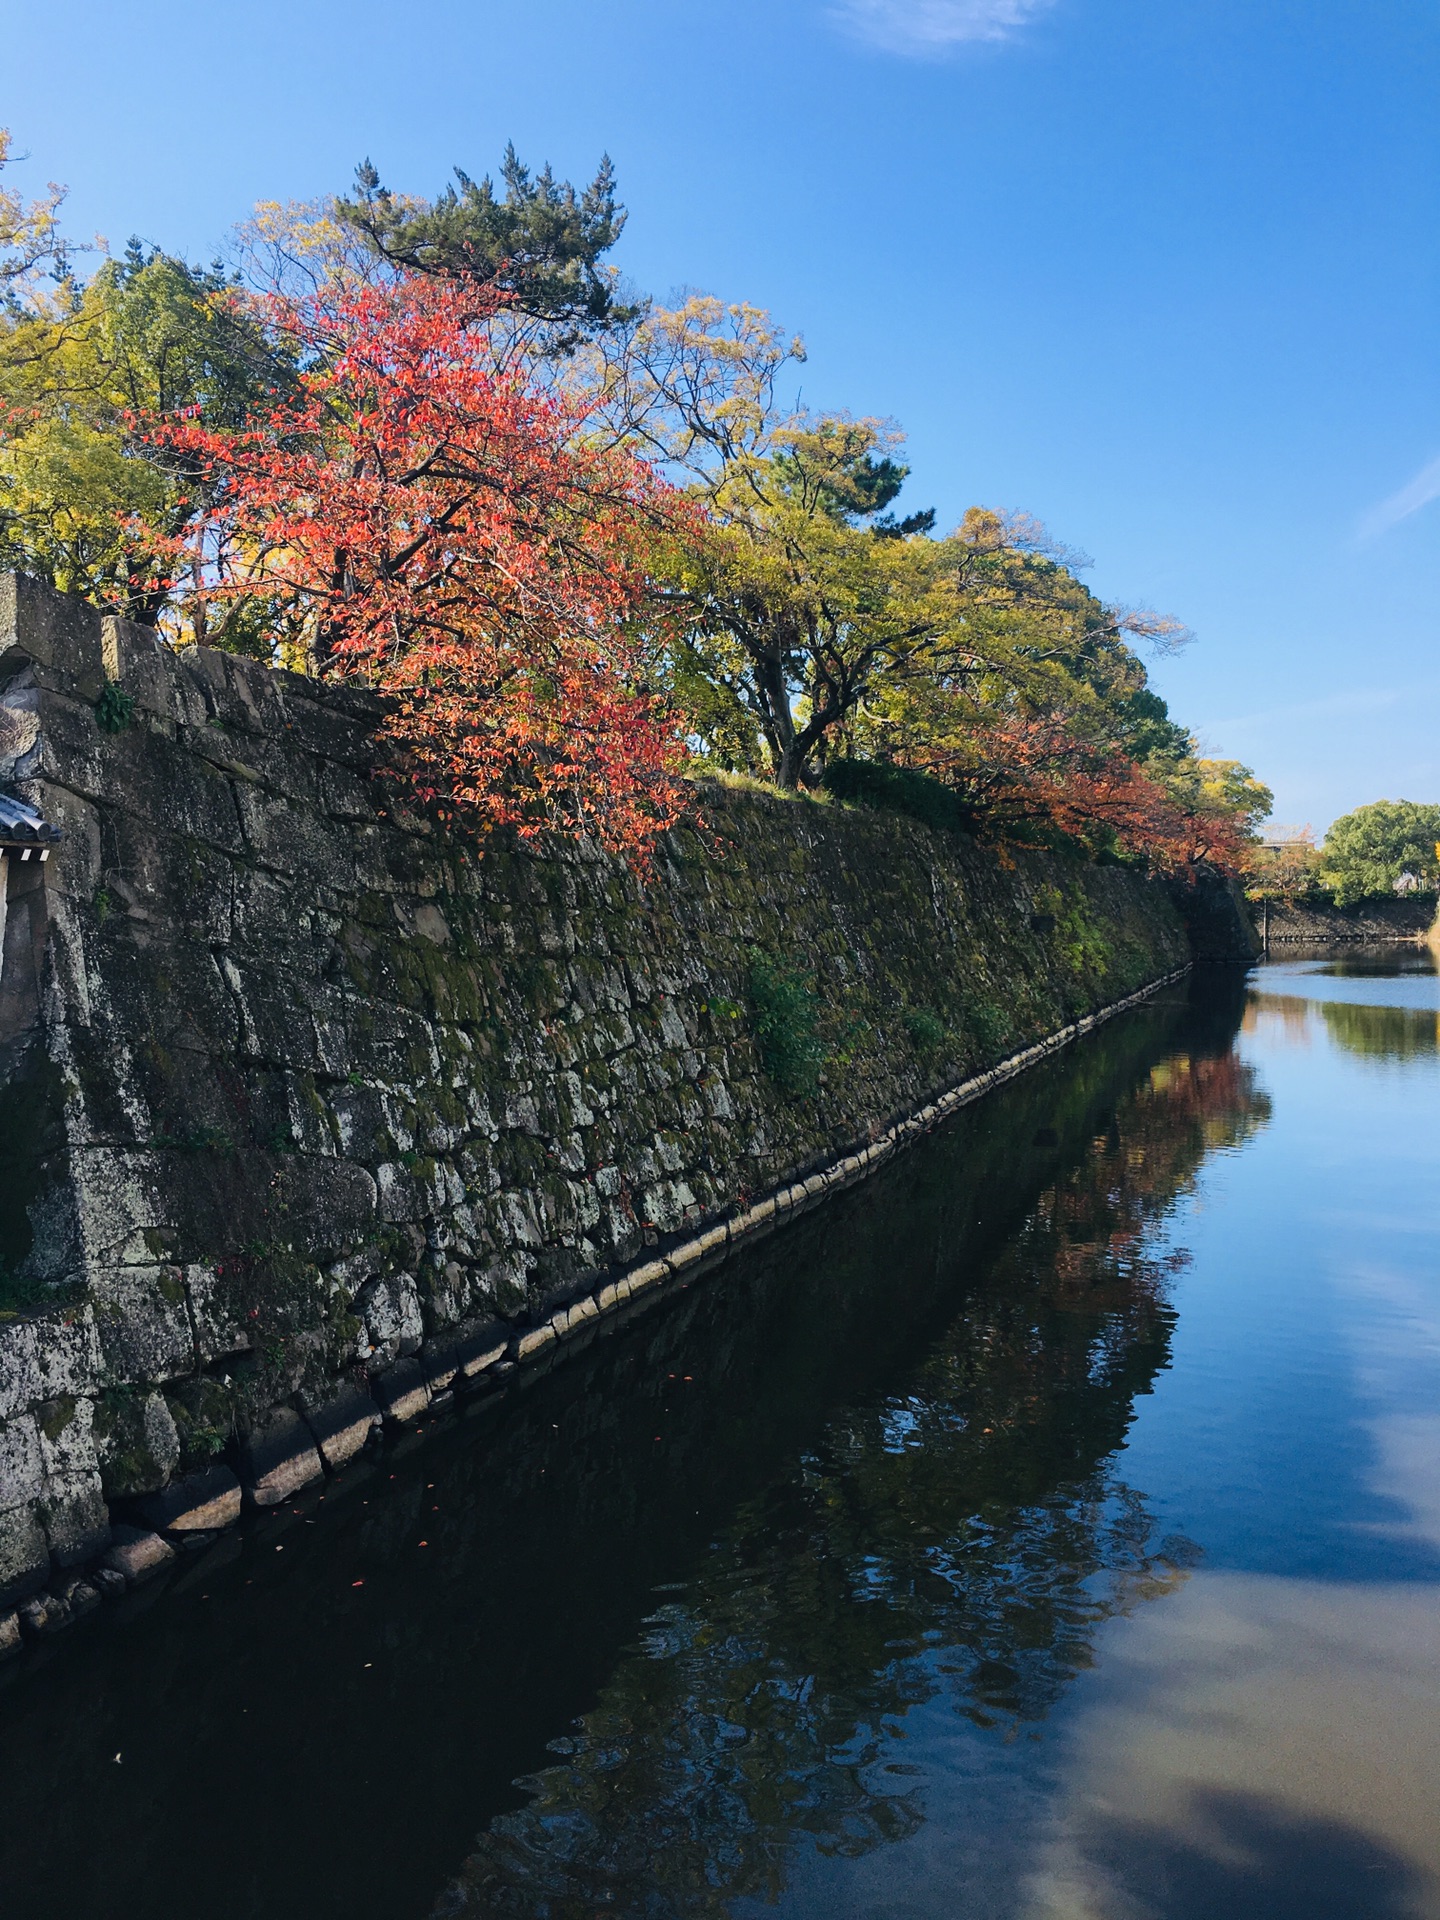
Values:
[(1384, 851), (586, 544)]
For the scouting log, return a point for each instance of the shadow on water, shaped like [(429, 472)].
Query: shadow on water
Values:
[(866, 1465), (1246, 1854)]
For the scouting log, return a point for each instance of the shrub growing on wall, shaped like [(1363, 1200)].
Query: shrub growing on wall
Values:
[(784, 1013)]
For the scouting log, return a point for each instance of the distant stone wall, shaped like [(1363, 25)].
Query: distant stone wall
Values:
[(307, 1113), (1376, 921)]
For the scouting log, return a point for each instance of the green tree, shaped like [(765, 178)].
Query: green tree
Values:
[(819, 622), (31, 244), (539, 242), (1367, 851), (85, 502)]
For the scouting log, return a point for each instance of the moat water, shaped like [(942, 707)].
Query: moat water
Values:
[(1048, 1530)]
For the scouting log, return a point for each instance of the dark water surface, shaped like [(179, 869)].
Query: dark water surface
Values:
[(1049, 1530)]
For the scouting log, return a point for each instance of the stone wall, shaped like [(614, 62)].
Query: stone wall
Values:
[(1374, 922), (309, 1113)]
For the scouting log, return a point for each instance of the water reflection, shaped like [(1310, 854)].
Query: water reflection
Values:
[(1378, 1003), (1373, 1032), (960, 1540), (1259, 1747)]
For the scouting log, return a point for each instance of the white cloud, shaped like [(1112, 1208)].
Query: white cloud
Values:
[(1414, 495), (928, 27)]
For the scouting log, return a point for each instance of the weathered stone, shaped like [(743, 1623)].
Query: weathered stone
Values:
[(44, 1613), (403, 1393), (135, 1554), (198, 1503), (440, 1365), (24, 1554), (481, 1349), (135, 1442), (279, 1458), (534, 1339), (341, 1425), (76, 1520), (393, 1326), (143, 1326), (108, 1582), (21, 1476), (80, 1597), (72, 1503), (10, 1638)]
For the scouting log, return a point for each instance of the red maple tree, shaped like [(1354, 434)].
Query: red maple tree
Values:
[(1029, 770), (440, 529)]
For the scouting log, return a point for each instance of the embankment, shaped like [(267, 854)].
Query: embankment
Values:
[(311, 1115), (1375, 922)]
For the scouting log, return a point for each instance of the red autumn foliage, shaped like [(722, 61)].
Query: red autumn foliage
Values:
[(441, 532), (1027, 771)]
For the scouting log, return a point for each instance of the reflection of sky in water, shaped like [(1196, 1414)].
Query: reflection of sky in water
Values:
[(1285, 1709), (1265, 1741)]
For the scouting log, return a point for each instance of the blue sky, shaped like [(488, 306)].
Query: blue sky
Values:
[(1163, 272)]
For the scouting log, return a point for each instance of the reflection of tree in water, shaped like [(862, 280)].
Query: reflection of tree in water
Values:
[(1375, 1033), (1382, 1033), (964, 1537)]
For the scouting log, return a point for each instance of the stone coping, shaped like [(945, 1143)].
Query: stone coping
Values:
[(787, 1201)]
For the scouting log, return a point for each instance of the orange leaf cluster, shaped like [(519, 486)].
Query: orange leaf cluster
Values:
[(1035, 770), (441, 531)]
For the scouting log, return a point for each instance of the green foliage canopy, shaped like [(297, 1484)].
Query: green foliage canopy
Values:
[(1367, 851), (539, 242), (84, 502)]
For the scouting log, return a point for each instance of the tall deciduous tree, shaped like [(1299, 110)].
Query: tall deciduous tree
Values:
[(31, 243), (440, 532), (1366, 852), (85, 501), (819, 621)]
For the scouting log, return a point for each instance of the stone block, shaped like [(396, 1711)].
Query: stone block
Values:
[(402, 1393), (532, 1341), (143, 1326), (647, 1275), (390, 1310), (44, 1613), (24, 1555), (80, 1596), (45, 1357), (198, 1503), (278, 1459), (441, 1364), (342, 1425), (107, 1582), (481, 1349), (135, 1442), (76, 1520), (135, 1554), (10, 1640), (20, 1470)]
